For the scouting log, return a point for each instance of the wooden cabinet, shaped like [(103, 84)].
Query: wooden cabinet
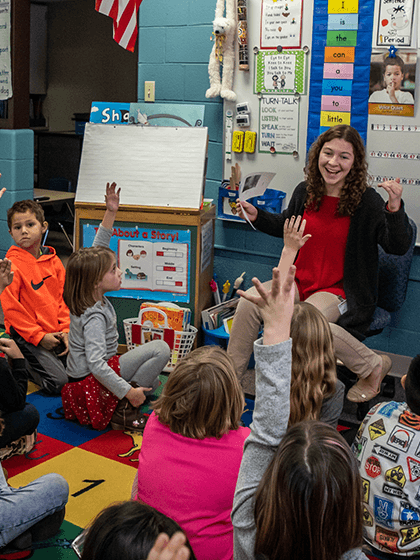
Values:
[(200, 224)]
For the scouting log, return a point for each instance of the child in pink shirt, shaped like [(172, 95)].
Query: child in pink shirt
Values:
[(192, 449)]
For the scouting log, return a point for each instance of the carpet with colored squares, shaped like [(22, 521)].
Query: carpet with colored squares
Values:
[(99, 467)]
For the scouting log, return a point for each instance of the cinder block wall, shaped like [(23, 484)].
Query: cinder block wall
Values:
[(17, 175), (174, 50)]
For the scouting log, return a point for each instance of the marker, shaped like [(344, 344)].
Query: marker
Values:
[(215, 290), (225, 290)]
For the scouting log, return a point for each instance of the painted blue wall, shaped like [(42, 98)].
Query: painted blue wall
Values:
[(17, 175), (174, 49)]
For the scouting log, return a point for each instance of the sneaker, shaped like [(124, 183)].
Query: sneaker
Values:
[(128, 417)]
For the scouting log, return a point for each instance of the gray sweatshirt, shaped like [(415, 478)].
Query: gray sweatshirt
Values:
[(93, 339), (269, 424)]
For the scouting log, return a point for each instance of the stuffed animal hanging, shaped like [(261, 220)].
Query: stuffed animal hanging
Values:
[(223, 51)]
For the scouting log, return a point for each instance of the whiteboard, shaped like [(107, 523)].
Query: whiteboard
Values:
[(289, 170), (154, 166)]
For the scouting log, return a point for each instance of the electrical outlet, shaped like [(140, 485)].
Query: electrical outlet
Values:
[(149, 91)]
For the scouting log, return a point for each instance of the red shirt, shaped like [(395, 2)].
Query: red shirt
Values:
[(320, 262)]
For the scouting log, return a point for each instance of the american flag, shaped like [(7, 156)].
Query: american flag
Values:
[(124, 14)]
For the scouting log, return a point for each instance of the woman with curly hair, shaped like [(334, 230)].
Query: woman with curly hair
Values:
[(337, 271)]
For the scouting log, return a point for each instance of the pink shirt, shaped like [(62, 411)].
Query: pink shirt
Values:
[(193, 482), (320, 263)]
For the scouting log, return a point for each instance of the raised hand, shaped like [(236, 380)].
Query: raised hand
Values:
[(6, 274), (394, 190), (276, 305), (112, 197), (293, 233)]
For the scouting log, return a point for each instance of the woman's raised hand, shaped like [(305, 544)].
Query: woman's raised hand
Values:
[(250, 210), (293, 233), (394, 190)]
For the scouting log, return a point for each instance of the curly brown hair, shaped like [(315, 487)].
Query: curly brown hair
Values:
[(356, 181)]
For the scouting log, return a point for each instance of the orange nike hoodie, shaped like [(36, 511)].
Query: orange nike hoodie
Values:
[(33, 303)]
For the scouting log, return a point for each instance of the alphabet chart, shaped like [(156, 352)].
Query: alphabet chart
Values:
[(341, 45)]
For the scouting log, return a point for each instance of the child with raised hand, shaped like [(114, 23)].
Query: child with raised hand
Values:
[(96, 392), (298, 491), (133, 531), (315, 392)]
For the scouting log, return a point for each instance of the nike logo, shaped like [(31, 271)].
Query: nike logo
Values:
[(37, 286)]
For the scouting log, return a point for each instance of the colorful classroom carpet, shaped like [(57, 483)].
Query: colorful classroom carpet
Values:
[(99, 467)]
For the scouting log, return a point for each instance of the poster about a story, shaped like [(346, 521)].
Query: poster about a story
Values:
[(155, 262), (5, 64)]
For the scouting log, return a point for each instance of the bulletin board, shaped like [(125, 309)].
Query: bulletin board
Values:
[(392, 142)]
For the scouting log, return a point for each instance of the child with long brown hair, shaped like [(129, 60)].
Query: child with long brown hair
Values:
[(96, 393), (299, 492), (315, 391)]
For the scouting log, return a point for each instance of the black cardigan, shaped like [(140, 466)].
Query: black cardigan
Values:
[(370, 225)]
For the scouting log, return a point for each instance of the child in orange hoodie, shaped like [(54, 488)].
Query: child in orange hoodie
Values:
[(35, 314)]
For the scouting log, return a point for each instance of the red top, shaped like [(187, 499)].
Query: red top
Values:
[(320, 262)]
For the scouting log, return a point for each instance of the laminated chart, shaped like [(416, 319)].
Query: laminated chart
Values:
[(340, 66), (154, 265), (281, 24), (155, 261), (283, 72)]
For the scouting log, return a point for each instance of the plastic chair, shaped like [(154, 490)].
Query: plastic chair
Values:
[(60, 213), (394, 271)]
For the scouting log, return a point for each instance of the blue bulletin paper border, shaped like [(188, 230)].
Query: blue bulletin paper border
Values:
[(360, 92), (149, 234)]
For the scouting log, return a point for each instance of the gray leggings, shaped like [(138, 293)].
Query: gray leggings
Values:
[(357, 357), (144, 363)]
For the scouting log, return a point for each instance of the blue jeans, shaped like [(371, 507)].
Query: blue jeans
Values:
[(21, 508)]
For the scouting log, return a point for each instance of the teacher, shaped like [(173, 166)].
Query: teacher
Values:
[(337, 268)]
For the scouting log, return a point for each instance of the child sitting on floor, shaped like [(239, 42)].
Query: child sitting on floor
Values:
[(298, 491), (20, 419), (387, 451), (192, 449), (35, 314), (102, 385), (33, 512), (128, 530)]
